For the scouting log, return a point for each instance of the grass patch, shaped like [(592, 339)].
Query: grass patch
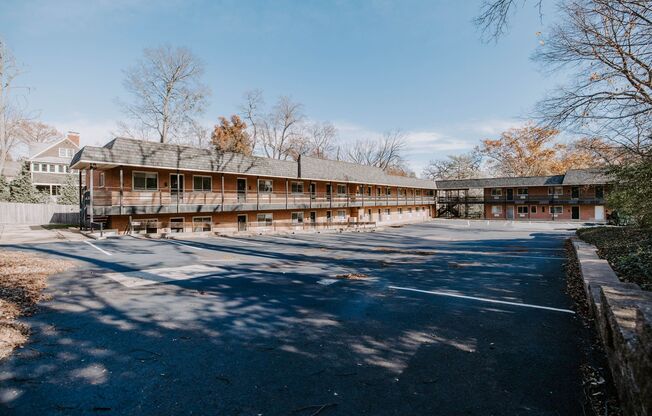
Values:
[(627, 249), (23, 276)]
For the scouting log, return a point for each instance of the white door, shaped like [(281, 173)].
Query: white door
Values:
[(599, 212)]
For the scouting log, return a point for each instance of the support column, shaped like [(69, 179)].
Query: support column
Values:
[(222, 190), (91, 196), (257, 192), (81, 201), (287, 185), (121, 189)]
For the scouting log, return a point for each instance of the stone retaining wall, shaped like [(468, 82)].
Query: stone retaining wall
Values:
[(623, 317)]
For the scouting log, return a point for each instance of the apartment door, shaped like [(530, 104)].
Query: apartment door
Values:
[(575, 213), (599, 212), (329, 191), (313, 217), (575, 192), (329, 216), (176, 186), (510, 196), (242, 222), (510, 212), (242, 191), (313, 190)]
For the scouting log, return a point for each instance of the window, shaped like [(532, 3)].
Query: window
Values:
[(555, 190), (496, 192), (145, 181), (201, 224), (388, 212), (35, 167), (52, 168), (265, 186), (400, 212), (66, 169), (266, 218), (543, 209), (176, 225), (410, 211), (533, 210), (558, 209), (101, 180), (202, 183), (297, 188), (377, 191), (297, 217), (401, 192), (388, 191), (44, 167), (599, 192), (341, 215), (56, 189), (496, 210), (341, 189), (521, 191), (522, 209), (65, 152), (369, 190)]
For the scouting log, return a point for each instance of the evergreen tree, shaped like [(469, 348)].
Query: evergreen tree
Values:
[(22, 190), (4, 189), (69, 194)]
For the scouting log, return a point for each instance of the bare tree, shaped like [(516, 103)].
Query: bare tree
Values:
[(251, 113), (385, 153), (281, 128), (493, 20), (464, 166), (608, 46), (34, 131), (321, 137), (167, 93), (11, 108)]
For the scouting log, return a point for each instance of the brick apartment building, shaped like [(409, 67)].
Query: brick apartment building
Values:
[(139, 186)]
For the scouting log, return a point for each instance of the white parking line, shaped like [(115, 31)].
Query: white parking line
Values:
[(181, 244), (238, 240), (453, 295), (97, 248)]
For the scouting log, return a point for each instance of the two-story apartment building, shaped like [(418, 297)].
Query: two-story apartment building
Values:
[(49, 163), (577, 195), (134, 185)]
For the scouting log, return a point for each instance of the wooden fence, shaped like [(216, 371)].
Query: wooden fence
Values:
[(38, 214)]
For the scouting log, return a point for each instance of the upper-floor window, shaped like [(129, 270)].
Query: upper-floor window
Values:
[(599, 191), (555, 190), (101, 180), (36, 167), (297, 188), (341, 189), (265, 186), (60, 168), (65, 152), (496, 192), (388, 191), (521, 191), (145, 181), (52, 168), (202, 183)]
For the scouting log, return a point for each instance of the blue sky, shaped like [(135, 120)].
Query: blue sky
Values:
[(366, 66)]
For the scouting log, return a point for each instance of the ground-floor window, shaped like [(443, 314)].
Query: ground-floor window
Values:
[(558, 209), (56, 189), (150, 225), (265, 219), (496, 210), (533, 210), (297, 217), (522, 210), (410, 211), (400, 212), (176, 225), (388, 213), (201, 224), (341, 215)]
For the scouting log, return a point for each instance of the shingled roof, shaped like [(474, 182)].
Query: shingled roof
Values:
[(586, 177), (130, 152), (501, 182)]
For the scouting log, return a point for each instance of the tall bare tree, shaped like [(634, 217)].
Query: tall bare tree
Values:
[(12, 112), (34, 131), (464, 166), (281, 128), (167, 93), (251, 113), (608, 46), (385, 153), (494, 16)]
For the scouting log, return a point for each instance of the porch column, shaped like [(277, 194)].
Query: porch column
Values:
[(287, 183), (222, 193), (362, 189), (81, 201), (91, 195), (121, 188), (257, 192)]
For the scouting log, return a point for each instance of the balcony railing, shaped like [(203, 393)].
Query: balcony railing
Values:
[(111, 201), (519, 199), (151, 227)]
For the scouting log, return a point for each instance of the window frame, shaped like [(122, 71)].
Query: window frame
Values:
[(339, 187), (210, 178), (496, 191), (299, 214), (553, 209), (194, 222), (496, 210), (552, 190), (101, 180), (341, 218), (522, 209), (268, 221), (146, 189), (299, 185)]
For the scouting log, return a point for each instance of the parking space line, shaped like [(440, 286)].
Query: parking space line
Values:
[(181, 244), (238, 240), (502, 302), (97, 248)]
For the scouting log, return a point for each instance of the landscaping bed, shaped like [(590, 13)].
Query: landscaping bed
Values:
[(627, 249), (23, 277)]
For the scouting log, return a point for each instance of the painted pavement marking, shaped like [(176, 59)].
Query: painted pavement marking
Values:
[(97, 248), (147, 277)]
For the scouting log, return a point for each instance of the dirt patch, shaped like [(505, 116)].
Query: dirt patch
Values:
[(600, 397), (352, 276), (23, 277)]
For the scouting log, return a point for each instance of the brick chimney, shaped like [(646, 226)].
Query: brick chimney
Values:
[(73, 136)]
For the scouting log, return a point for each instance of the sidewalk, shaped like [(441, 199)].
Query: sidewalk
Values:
[(25, 234)]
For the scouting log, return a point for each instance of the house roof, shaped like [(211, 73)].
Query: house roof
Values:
[(501, 182), (132, 152), (35, 149), (586, 177)]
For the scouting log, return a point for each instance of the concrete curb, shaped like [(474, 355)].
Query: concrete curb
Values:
[(623, 317)]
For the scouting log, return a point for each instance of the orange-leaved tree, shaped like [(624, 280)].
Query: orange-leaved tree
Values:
[(232, 136), (531, 151)]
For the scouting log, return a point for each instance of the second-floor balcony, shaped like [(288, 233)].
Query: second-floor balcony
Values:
[(113, 201), (522, 199)]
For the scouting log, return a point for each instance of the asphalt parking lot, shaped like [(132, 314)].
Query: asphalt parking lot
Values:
[(447, 319)]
